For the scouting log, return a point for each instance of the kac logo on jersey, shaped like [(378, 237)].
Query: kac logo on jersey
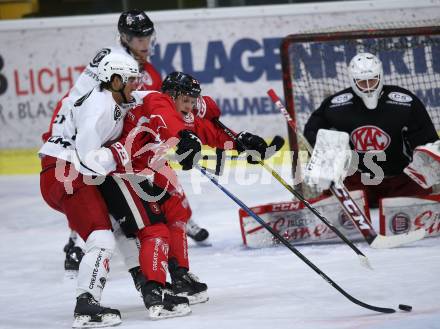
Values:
[(399, 97), (370, 138), (343, 98)]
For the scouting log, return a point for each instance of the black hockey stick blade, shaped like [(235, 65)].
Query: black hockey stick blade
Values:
[(276, 145)]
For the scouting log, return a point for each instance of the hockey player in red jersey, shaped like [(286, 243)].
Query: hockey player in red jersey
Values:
[(162, 118), (384, 122)]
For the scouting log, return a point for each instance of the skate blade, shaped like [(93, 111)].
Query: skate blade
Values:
[(158, 312), (70, 274), (204, 243), (107, 320), (201, 297)]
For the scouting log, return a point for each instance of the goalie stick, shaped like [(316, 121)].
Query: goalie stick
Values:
[(212, 178), (348, 204), (362, 258)]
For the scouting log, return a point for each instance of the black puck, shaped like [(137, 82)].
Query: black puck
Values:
[(404, 307)]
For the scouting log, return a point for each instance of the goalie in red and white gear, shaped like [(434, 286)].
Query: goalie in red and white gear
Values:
[(381, 120), (424, 169)]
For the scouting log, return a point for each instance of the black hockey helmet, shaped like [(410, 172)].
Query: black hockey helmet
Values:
[(135, 23), (177, 83)]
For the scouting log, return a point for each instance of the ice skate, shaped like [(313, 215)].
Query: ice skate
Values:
[(186, 284), (89, 314), (196, 233), (161, 304)]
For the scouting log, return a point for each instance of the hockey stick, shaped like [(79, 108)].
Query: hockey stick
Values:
[(289, 246), (348, 204), (362, 258)]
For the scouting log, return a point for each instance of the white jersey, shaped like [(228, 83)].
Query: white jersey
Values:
[(93, 122), (84, 84)]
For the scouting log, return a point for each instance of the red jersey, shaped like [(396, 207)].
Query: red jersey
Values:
[(159, 123)]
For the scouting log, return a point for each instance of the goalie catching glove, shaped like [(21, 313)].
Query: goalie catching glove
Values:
[(425, 166), (330, 159), (188, 149)]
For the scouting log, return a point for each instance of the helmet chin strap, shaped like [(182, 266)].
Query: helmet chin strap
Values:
[(121, 92)]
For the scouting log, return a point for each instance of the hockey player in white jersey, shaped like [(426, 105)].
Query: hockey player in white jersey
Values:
[(84, 147)]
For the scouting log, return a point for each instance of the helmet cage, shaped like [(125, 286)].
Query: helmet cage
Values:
[(366, 78)]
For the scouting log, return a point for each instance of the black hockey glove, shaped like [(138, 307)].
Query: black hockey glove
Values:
[(253, 144), (188, 149)]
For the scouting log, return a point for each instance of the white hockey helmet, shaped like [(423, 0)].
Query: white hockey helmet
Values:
[(123, 65), (366, 78)]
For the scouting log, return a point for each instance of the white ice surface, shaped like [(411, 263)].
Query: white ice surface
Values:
[(255, 289)]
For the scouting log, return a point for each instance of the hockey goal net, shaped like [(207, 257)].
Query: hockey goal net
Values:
[(314, 67)]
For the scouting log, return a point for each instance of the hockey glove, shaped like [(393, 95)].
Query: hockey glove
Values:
[(425, 166), (128, 149), (254, 145), (188, 149)]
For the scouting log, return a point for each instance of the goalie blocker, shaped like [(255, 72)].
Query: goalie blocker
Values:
[(330, 159)]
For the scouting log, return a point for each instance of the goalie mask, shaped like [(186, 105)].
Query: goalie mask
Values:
[(178, 83), (366, 78)]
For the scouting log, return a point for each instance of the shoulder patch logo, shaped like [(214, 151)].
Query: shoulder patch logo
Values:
[(343, 98), (117, 114), (201, 107), (399, 97), (99, 56), (369, 138), (188, 118)]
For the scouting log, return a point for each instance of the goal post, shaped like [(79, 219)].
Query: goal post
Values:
[(314, 67)]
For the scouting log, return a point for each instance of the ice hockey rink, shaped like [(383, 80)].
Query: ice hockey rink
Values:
[(248, 288)]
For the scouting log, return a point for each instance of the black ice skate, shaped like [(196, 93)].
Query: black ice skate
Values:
[(138, 277), (162, 305), (74, 255), (195, 232), (186, 284), (89, 314)]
